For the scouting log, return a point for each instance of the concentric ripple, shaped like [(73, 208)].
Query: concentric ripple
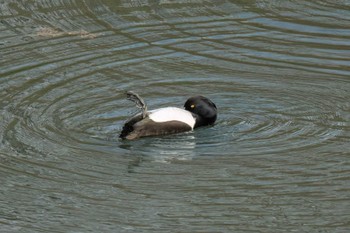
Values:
[(275, 161)]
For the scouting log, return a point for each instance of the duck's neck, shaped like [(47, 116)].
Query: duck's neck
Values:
[(201, 121)]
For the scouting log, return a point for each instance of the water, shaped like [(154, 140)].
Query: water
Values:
[(276, 161)]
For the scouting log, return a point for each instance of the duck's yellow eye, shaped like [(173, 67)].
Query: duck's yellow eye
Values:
[(192, 106)]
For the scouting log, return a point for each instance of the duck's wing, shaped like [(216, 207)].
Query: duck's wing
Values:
[(140, 103), (148, 127)]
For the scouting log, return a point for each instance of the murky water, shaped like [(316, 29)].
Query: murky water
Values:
[(276, 161)]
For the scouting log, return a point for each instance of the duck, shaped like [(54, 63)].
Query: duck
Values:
[(198, 111)]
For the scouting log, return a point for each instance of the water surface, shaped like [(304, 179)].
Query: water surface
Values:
[(277, 159)]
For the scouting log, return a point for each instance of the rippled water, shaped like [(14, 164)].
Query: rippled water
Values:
[(276, 161)]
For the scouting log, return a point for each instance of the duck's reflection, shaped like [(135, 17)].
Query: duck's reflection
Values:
[(163, 150)]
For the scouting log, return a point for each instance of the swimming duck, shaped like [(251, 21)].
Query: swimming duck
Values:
[(199, 111)]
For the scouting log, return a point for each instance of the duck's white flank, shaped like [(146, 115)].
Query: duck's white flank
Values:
[(172, 114)]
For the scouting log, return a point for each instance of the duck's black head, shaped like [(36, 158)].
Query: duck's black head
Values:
[(203, 109)]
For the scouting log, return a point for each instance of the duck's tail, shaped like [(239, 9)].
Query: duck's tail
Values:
[(129, 126)]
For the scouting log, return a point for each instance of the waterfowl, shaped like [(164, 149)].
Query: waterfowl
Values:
[(198, 111)]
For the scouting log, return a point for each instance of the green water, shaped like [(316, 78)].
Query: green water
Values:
[(277, 160)]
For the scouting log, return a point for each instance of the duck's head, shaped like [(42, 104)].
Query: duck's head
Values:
[(203, 109)]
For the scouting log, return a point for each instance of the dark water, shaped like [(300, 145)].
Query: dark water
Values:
[(276, 161)]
